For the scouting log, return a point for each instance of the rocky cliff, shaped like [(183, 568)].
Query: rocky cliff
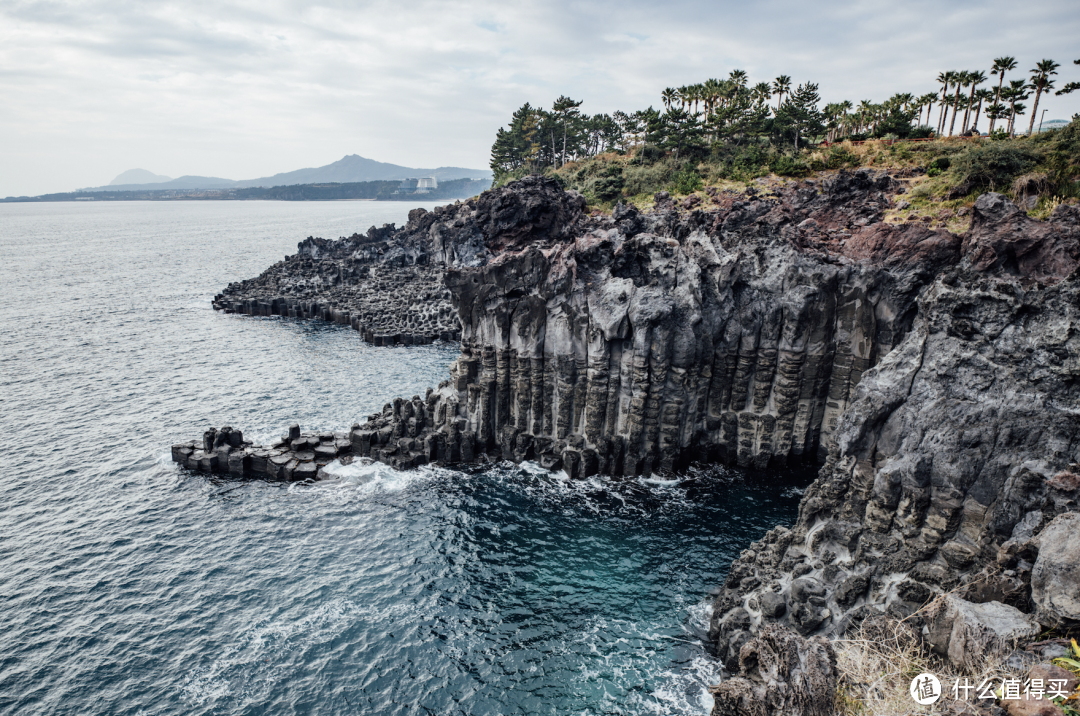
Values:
[(956, 450), (934, 375), (636, 343)]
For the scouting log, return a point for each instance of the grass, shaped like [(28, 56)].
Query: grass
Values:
[(943, 176), (877, 663)]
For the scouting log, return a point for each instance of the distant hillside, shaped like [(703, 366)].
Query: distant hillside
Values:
[(354, 168), (138, 176), (387, 190), (347, 170), (184, 182)]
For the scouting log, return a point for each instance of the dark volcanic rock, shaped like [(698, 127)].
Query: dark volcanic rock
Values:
[(943, 466), (937, 376), (780, 673)]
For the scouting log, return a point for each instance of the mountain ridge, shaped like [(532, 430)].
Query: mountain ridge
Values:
[(350, 168)]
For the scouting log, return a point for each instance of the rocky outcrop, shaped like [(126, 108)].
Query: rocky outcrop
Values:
[(633, 343), (953, 456), (388, 284), (936, 376), (971, 635), (640, 342), (1055, 577), (780, 673), (292, 458)]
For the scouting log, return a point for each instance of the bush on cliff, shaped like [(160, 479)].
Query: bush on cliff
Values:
[(991, 166)]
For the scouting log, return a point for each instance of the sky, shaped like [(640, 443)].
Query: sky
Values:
[(243, 89)]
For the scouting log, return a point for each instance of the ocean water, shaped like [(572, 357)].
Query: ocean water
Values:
[(130, 586)]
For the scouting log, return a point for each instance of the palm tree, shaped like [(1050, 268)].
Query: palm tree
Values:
[(683, 95), (927, 100), (1040, 80), (1015, 92), (962, 79), (761, 92), (1018, 110), (1001, 66), (983, 95), (866, 109), (976, 78), (781, 86), (945, 79), (996, 111), (669, 95), (738, 77)]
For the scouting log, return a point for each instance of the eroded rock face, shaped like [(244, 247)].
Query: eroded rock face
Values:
[(637, 343), (388, 284), (780, 673), (937, 376), (972, 635), (947, 465)]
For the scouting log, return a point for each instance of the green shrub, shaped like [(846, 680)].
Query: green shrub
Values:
[(940, 163), (649, 178), (840, 157), (686, 181), (992, 165), (788, 166), (608, 186)]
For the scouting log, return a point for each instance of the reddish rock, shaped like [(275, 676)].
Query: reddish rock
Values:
[(1004, 239)]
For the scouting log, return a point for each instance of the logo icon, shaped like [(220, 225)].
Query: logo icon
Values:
[(925, 689)]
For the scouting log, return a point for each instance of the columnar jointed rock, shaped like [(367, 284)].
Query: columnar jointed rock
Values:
[(637, 343), (294, 457), (952, 457)]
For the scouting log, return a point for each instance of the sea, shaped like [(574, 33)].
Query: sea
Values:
[(130, 586)]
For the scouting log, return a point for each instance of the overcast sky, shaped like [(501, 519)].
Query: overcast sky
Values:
[(242, 89)]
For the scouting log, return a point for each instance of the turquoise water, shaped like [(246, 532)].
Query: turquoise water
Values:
[(129, 586)]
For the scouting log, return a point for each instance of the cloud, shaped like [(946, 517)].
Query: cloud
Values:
[(243, 89)]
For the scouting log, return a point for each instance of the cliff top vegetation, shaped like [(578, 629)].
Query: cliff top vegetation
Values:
[(724, 134)]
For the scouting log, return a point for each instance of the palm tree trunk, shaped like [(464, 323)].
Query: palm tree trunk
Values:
[(941, 114), (956, 107), (967, 110), (978, 109), (997, 98), (1034, 110)]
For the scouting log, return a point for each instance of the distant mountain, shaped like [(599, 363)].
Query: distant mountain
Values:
[(138, 176), (184, 182), (354, 168), (351, 168)]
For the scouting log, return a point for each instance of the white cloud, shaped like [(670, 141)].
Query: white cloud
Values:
[(243, 89)]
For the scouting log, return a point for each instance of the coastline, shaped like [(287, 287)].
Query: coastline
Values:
[(926, 307)]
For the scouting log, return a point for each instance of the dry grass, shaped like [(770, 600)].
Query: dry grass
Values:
[(1031, 184), (878, 662)]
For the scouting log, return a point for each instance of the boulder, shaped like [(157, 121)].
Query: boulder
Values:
[(780, 672), (1055, 578), (969, 634)]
